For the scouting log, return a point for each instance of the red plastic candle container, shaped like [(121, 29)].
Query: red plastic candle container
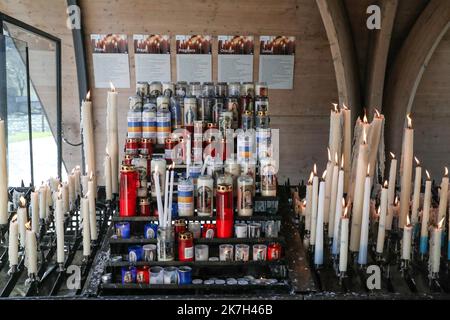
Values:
[(144, 207), (224, 211), (143, 275), (147, 147), (180, 226), (274, 251), (185, 246), (129, 183)]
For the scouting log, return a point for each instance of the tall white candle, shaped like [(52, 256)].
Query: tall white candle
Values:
[(35, 211), (347, 146), (188, 153), (328, 187), (31, 252), (113, 137), (59, 228), (88, 136), (84, 184), (108, 178), (318, 249), (77, 180), (13, 245), (333, 198), (416, 194), (335, 138), (158, 199), (49, 199), (435, 254), (169, 215), (92, 210), (3, 175), (71, 184), (42, 202), (308, 202), (374, 136), (406, 242), (358, 195), (406, 173), (382, 219), (315, 201), (22, 219), (443, 196), (65, 196), (364, 240), (391, 191), (86, 228), (425, 216), (166, 197), (343, 243)]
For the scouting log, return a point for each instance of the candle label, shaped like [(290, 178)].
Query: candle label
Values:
[(245, 197), (204, 199), (185, 197)]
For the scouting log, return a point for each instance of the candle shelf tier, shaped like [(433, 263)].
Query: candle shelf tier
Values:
[(208, 264), (197, 218), (213, 241)]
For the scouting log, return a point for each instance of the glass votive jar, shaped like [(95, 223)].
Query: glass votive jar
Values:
[(170, 275), (149, 252), (156, 275), (201, 252), (241, 230), (165, 242), (259, 252), (226, 252), (242, 252), (254, 230)]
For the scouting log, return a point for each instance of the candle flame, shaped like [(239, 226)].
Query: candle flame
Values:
[(311, 176), (343, 201), (417, 161), (335, 107), (344, 107), (14, 219), (336, 161), (368, 169), (113, 89), (342, 161), (408, 117), (392, 155), (344, 216), (445, 172), (428, 175), (22, 202), (304, 203), (377, 113), (329, 154), (88, 95), (364, 136), (315, 169), (385, 185), (408, 221), (77, 167), (324, 174), (396, 201), (91, 176), (365, 117), (28, 225), (172, 166), (441, 223)]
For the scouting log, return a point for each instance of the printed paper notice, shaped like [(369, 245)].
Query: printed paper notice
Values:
[(110, 58), (152, 57), (235, 59), (194, 61), (276, 61)]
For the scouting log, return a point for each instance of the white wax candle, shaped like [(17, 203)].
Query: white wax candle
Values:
[(13, 245), (31, 252), (343, 250), (358, 197), (77, 180), (49, 200), (86, 228), (65, 197), (113, 137), (84, 184), (318, 249), (391, 191), (3, 176), (92, 210), (71, 184), (337, 218), (188, 153), (315, 201), (308, 203), (158, 166), (22, 219), (347, 117), (435, 255), (374, 136), (35, 211), (108, 178), (406, 242), (88, 137), (407, 161), (382, 220), (443, 196), (416, 195), (328, 187), (158, 199), (42, 202), (333, 202), (364, 239), (166, 198), (335, 138), (59, 228)]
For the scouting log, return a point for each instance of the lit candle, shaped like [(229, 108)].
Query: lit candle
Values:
[(92, 210), (443, 196), (22, 219), (374, 136), (358, 200), (318, 250), (364, 240), (347, 142), (77, 180), (328, 187), (315, 200), (3, 176), (435, 256), (35, 211), (112, 143), (308, 202), (86, 228), (338, 213), (31, 252), (406, 242), (108, 177), (416, 194), (333, 198), (88, 135), (425, 216), (13, 245), (59, 228), (391, 191), (343, 243), (335, 137), (382, 219), (407, 160)]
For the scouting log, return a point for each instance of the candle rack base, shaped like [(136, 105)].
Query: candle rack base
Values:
[(3, 231), (32, 279), (13, 269), (61, 267)]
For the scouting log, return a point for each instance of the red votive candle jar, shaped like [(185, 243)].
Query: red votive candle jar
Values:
[(143, 275), (208, 230), (185, 246), (273, 251), (128, 159), (147, 146), (129, 183), (180, 226), (224, 211), (144, 207)]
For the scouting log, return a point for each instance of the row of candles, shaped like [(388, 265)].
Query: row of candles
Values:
[(348, 221)]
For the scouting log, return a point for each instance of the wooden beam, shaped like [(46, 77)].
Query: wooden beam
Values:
[(409, 66), (378, 55), (337, 26)]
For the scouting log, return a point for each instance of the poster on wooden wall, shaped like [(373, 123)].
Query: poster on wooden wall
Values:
[(194, 58), (110, 58), (235, 60), (152, 57), (276, 61)]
